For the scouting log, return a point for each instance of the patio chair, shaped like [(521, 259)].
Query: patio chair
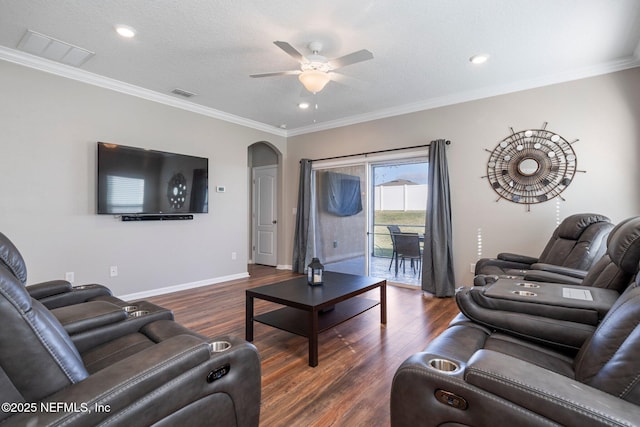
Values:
[(393, 229), (408, 246)]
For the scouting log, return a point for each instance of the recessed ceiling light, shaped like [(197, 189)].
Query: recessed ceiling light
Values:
[(479, 59), (125, 31), (303, 105)]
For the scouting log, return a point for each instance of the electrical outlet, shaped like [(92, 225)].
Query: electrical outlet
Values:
[(113, 271), (234, 256), (472, 267), (69, 276)]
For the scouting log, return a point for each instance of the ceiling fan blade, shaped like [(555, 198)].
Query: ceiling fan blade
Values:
[(352, 58), (277, 73), (291, 51)]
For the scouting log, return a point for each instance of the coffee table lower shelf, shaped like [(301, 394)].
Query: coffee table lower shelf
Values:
[(296, 321)]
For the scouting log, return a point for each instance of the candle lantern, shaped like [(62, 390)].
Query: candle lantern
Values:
[(315, 271)]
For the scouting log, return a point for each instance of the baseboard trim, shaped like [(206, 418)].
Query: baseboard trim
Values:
[(284, 267), (182, 287)]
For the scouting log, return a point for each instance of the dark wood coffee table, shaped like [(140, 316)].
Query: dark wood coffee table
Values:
[(308, 308)]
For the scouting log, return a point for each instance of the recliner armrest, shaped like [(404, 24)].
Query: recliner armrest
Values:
[(551, 277), (563, 334), (524, 259), (122, 384), (94, 337), (484, 279), (554, 396), (88, 315), (76, 295), (572, 272), (153, 384), (581, 304), (46, 289)]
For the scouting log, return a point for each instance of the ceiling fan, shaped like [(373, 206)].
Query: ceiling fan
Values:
[(316, 70)]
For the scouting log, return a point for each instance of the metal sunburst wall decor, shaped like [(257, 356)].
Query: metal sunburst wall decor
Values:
[(531, 166)]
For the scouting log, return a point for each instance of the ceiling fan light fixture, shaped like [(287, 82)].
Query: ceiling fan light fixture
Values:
[(313, 80)]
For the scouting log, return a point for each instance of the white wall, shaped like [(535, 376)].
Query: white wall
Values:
[(47, 154), (49, 130), (602, 112)]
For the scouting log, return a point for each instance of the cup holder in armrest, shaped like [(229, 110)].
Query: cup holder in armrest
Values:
[(219, 346), (130, 308), (525, 293), (443, 365), (527, 285), (138, 313)]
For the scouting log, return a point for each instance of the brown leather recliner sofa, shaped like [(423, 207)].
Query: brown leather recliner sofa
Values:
[(471, 375), (93, 363)]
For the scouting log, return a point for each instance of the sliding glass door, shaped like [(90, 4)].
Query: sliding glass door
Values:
[(398, 205), (355, 208)]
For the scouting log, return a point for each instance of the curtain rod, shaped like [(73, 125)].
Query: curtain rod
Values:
[(447, 142)]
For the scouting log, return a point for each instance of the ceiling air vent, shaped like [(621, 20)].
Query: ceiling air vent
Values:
[(182, 92), (56, 50)]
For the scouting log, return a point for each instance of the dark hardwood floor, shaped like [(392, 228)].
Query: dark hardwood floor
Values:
[(357, 359)]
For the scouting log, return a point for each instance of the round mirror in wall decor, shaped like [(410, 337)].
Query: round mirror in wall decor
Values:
[(531, 166)]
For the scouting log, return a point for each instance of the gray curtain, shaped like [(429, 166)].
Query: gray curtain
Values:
[(301, 236), (437, 266)]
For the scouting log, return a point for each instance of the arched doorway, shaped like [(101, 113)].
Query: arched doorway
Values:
[(264, 177)]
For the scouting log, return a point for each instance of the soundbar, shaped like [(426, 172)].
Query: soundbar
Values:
[(155, 217)]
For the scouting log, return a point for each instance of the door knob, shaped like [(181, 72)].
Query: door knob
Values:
[(274, 222)]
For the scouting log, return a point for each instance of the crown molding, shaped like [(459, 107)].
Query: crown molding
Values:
[(42, 64), (606, 68), (59, 69)]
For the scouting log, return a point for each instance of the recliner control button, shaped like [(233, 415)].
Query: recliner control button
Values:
[(451, 399), (216, 374)]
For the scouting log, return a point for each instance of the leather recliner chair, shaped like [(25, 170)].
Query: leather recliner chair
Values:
[(611, 271), (52, 293), (576, 243), (162, 374), (472, 376), (89, 314), (526, 308)]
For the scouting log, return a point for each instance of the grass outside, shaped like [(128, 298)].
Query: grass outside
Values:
[(408, 221)]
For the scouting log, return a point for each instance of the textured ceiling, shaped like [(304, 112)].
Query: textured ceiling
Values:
[(421, 50)]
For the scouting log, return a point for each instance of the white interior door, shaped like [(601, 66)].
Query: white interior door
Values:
[(265, 215)]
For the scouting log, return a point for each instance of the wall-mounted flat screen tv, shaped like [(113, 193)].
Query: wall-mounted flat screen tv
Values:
[(136, 181)]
